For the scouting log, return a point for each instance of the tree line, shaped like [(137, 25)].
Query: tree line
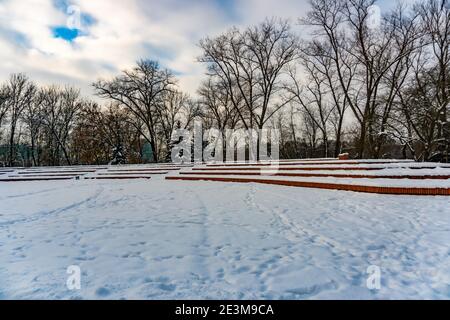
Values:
[(348, 82), (57, 126)]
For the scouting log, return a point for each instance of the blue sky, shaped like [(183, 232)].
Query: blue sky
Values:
[(77, 41)]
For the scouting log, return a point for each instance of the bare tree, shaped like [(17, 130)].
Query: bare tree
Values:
[(142, 91), (313, 99), (20, 94), (288, 122), (251, 64), (435, 17), (178, 110), (33, 118), (89, 143), (217, 107), (318, 63), (118, 133), (217, 104), (330, 53), (408, 40), (421, 98), (105, 135), (367, 60), (310, 133), (61, 108), (4, 106)]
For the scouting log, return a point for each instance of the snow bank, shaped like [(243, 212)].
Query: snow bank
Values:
[(161, 239)]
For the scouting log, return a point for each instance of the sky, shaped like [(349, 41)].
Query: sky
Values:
[(75, 42)]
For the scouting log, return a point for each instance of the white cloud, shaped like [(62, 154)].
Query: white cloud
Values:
[(254, 11), (124, 32)]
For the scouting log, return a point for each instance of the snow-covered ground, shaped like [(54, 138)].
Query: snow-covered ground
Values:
[(409, 183), (157, 239), (381, 172)]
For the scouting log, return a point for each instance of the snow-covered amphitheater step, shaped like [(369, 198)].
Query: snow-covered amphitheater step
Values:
[(383, 177), (77, 172), (396, 175), (128, 173), (144, 169), (363, 187), (117, 177), (310, 162), (121, 172)]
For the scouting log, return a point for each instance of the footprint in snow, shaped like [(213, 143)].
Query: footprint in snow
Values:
[(102, 292), (167, 287)]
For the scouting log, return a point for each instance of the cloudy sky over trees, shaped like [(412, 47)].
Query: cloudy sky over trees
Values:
[(113, 35)]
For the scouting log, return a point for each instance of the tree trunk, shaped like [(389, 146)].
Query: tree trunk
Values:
[(33, 157), (258, 141), (325, 145), (11, 146), (66, 155), (362, 141), (337, 148), (155, 150)]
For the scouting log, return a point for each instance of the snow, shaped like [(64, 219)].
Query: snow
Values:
[(312, 160), (88, 172), (379, 182), (391, 174), (393, 165), (157, 239), (382, 172)]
